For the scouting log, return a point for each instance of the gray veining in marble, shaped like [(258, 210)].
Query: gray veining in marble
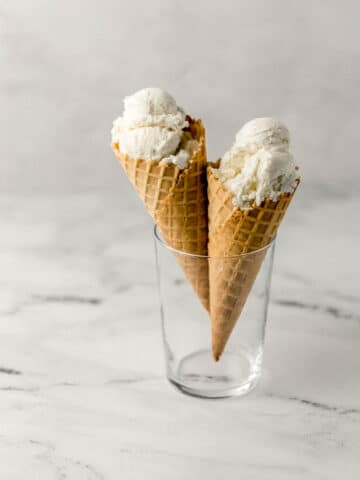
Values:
[(82, 388)]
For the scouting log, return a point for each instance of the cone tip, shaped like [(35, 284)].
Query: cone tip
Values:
[(216, 355)]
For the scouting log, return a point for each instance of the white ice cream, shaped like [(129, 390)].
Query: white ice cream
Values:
[(259, 165), (151, 128)]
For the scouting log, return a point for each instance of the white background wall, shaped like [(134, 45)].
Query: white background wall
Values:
[(65, 66)]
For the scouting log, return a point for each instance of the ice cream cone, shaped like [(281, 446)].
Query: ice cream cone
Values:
[(233, 232), (177, 201)]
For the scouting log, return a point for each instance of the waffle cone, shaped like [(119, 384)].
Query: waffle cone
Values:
[(233, 232), (177, 201)]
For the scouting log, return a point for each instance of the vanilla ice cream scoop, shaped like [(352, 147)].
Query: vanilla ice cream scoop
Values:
[(259, 165), (152, 128), (262, 132)]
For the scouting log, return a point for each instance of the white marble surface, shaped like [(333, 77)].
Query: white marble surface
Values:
[(82, 388), (66, 65)]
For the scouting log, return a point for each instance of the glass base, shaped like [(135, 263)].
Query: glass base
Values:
[(235, 374)]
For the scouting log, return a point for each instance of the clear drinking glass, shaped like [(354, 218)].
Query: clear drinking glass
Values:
[(186, 324)]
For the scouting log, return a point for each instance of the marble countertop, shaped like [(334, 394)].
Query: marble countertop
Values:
[(82, 387)]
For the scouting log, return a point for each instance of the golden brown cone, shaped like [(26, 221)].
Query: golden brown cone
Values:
[(232, 232), (177, 201)]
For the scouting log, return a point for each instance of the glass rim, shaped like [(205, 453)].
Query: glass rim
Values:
[(160, 240)]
